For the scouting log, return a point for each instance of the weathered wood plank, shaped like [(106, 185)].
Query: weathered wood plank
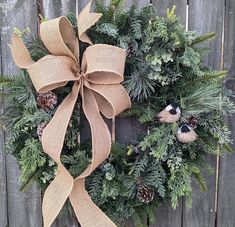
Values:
[(202, 212), (23, 208), (3, 192), (56, 8), (204, 17), (138, 3), (226, 199), (82, 3), (166, 216), (128, 130), (161, 7)]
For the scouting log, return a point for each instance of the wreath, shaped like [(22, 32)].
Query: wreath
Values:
[(180, 103)]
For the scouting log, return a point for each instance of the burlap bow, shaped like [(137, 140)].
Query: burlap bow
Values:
[(98, 81)]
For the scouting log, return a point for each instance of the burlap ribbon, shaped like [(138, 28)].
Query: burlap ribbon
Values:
[(98, 81)]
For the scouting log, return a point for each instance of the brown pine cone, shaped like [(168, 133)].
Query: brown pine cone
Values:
[(145, 194), (40, 129), (192, 122), (47, 101)]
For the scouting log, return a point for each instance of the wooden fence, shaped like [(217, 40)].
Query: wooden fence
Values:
[(216, 207)]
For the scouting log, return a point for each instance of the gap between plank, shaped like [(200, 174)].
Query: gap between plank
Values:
[(218, 155), (183, 200), (40, 11)]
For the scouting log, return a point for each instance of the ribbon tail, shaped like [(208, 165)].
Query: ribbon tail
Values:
[(88, 214), (52, 142), (56, 195), (85, 21)]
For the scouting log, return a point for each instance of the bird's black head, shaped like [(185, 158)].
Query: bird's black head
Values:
[(185, 128), (173, 110), (174, 105)]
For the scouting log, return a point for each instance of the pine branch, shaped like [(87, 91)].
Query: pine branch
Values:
[(203, 38), (6, 81)]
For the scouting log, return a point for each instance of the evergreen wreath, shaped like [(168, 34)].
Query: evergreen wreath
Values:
[(180, 102)]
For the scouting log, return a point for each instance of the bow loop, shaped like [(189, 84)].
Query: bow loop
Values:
[(52, 72), (108, 98), (104, 64), (20, 53), (85, 21), (59, 38)]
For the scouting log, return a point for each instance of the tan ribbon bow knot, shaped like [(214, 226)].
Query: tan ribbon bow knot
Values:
[(98, 81)]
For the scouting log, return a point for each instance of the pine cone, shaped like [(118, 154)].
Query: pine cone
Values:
[(130, 51), (192, 122), (40, 129), (145, 194), (47, 101)]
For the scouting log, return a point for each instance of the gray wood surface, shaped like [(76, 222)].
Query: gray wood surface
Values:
[(3, 192), (166, 216), (161, 7), (24, 209), (226, 198), (138, 3), (204, 17), (56, 8)]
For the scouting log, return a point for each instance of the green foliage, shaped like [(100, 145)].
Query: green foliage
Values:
[(179, 185), (30, 158), (159, 141), (76, 163), (203, 38)]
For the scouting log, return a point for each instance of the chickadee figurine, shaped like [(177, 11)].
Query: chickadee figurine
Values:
[(186, 134), (170, 114)]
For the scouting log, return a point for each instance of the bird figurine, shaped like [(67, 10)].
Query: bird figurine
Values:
[(186, 134), (170, 114)]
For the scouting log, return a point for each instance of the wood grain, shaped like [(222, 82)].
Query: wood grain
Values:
[(161, 7), (57, 8), (204, 17), (166, 216), (3, 192), (138, 3), (24, 209), (226, 198)]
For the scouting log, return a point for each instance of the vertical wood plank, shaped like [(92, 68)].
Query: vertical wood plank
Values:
[(226, 199), (166, 216), (204, 17), (161, 7), (23, 208), (56, 8), (81, 4), (3, 192), (138, 3)]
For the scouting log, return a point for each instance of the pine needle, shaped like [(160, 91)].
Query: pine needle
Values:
[(203, 38)]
